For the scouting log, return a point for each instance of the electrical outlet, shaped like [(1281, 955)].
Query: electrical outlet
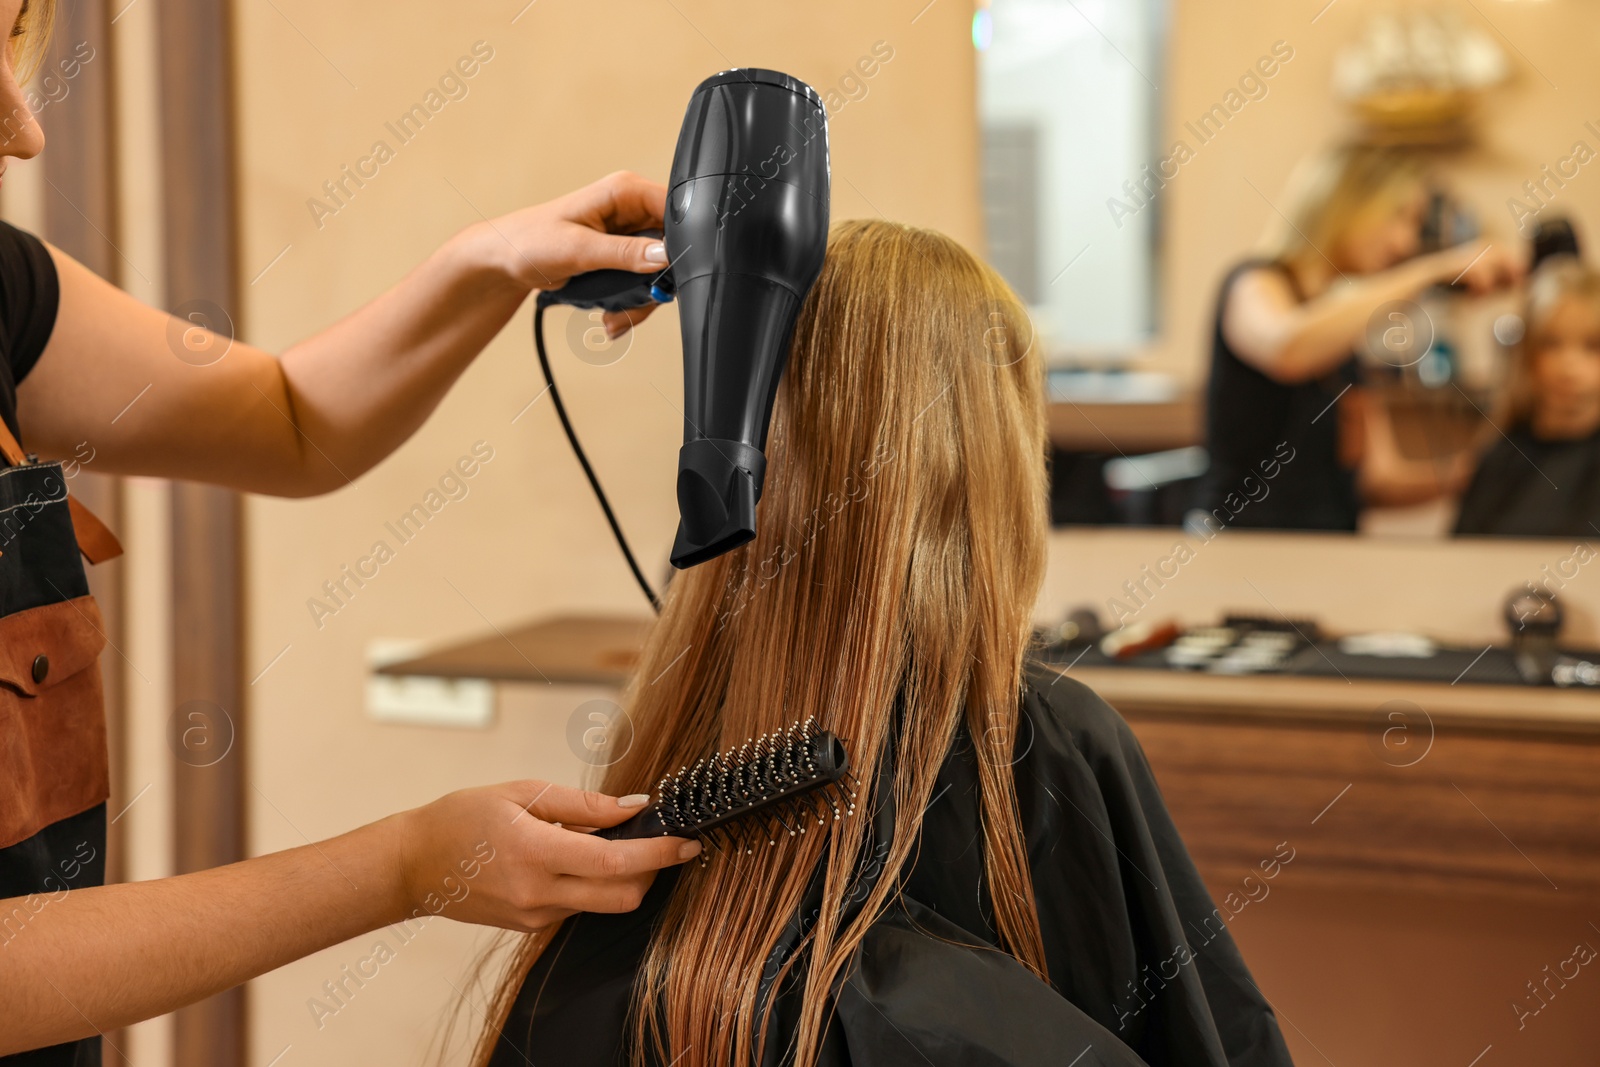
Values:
[(420, 701)]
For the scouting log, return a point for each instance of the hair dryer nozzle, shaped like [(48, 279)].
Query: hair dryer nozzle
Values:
[(746, 231), (719, 483)]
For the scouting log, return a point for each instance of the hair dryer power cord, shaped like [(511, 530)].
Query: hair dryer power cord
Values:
[(583, 460)]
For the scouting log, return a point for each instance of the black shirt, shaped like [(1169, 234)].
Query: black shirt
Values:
[(30, 294), (1274, 447), (1143, 969), (1530, 487)]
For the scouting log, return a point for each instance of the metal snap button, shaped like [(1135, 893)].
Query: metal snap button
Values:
[(41, 667)]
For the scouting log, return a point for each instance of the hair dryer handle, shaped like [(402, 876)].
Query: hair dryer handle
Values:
[(613, 290)]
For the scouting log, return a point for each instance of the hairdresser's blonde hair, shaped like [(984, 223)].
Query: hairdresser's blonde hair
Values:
[(30, 36), (1558, 279), (900, 551), (1329, 192)]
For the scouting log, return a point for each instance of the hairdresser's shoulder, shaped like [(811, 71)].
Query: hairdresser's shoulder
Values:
[(1065, 709)]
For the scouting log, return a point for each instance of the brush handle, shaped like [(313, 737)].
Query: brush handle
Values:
[(645, 824)]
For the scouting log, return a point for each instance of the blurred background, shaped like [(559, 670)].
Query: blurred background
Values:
[(1436, 785)]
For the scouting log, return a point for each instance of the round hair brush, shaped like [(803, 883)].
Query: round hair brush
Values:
[(774, 785)]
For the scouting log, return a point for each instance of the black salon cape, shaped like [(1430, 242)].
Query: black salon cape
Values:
[(1527, 486), (1142, 969)]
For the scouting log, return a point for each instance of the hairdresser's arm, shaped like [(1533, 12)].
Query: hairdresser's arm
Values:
[(1390, 478), (93, 960), (1293, 342), (121, 377)]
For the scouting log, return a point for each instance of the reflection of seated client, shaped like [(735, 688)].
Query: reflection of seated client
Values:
[(1542, 478), (1011, 888), (1284, 398)]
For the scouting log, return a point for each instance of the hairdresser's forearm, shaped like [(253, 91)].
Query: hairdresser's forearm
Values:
[(1323, 330), (1389, 478), (1408, 481), (132, 390), (96, 959)]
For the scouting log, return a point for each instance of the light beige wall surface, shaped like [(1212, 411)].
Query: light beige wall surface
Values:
[(1453, 592), (573, 91)]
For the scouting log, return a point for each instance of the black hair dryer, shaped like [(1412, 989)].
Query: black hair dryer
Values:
[(746, 231)]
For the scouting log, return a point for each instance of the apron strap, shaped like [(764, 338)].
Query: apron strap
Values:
[(10, 448), (95, 539)]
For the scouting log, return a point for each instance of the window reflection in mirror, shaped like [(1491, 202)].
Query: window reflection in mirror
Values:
[(1070, 110)]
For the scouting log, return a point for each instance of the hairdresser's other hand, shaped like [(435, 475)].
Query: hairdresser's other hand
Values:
[(503, 856), (1457, 472), (1485, 267), (544, 245)]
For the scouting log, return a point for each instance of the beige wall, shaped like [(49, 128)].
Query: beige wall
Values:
[(1454, 592), (573, 91)]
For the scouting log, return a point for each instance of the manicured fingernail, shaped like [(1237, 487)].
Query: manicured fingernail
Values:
[(633, 800), (689, 850), (656, 253)]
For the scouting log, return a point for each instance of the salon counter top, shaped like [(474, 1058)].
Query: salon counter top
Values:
[(1130, 428), (601, 650), (1426, 422)]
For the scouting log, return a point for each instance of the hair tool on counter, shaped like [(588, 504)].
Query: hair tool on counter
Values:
[(1534, 618), (746, 231), (770, 786)]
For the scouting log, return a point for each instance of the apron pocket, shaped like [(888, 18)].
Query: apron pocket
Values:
[(53, 759)]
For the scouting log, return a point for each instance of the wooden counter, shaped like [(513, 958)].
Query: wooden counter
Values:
[(1427, 423), (1471, 790), (1128, 428), (1378, 786)]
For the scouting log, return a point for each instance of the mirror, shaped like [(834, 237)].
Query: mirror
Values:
[(1121, 190), (1068, 113)]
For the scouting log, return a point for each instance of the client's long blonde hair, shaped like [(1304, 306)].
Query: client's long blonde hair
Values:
[(899, 554)]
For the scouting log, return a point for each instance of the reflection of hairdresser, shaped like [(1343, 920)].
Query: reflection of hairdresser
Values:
[(1284, 378), (1542, 477)]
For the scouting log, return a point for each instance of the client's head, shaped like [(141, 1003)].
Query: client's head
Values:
[(889, 593), (1560, 357)]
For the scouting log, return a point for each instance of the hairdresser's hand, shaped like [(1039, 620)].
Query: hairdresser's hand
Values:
[(542, 246), (1457, 472), (501, 856), (1484, 266)]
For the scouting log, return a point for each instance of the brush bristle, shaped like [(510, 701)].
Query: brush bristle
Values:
[(774, 785)]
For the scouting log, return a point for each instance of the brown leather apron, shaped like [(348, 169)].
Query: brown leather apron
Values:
[(54, 777)]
